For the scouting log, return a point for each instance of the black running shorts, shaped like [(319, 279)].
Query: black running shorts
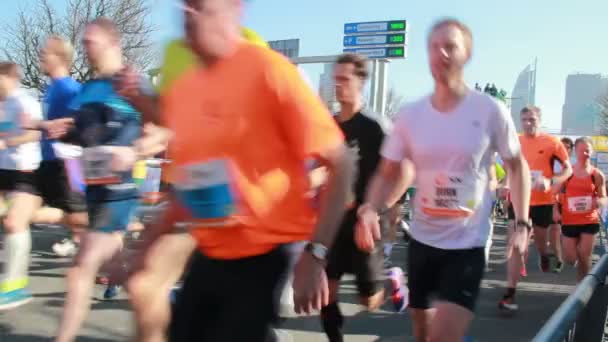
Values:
[(346, 258), (448, 275), (575, 231), (53, 186), (230, 300), (14, 180)]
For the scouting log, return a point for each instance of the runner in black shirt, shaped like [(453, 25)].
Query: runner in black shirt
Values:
[(364, 135)]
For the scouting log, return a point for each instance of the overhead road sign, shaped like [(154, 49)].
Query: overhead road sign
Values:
[(380, 52), (376, 27), (376, 39)]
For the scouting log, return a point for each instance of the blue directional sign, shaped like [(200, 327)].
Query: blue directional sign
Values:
[(376, 39), (380, 52), (375, 27)]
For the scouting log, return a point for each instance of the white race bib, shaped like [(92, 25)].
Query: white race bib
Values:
[(537, 176), (580, 204), (97, 166), (205, 189), (449, 194)]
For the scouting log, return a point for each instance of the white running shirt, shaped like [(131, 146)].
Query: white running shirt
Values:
[(18, 109), (452, 153)]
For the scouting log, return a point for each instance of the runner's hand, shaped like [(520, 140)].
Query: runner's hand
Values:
[(123, 158), (367, 229), (518, 240), (55, 129), (153, 141), (127, 83), (557, 216), (543, 185), (3, 145), (310, 288)]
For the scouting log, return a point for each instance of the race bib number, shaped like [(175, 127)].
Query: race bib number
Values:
[(97, 166), (205, 190), (580, 204), (537, 176), (449, 194)]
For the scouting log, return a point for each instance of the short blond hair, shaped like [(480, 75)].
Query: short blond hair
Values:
[(462, 27), (64, 49)]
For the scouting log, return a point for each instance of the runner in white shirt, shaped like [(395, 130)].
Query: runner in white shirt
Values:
[(19, 157), (450, 137)]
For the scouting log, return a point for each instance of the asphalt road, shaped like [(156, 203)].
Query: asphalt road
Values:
[(538, 296)]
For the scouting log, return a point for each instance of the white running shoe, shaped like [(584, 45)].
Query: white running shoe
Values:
[(65, 248)]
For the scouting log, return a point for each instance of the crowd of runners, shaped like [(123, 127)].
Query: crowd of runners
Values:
[(262, 185)]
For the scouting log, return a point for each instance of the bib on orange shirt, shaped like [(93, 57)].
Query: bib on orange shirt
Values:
[(244, 128), (541, 152)]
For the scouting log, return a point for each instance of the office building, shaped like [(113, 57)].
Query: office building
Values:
[(580, 113), (524, 93), (288, 47)]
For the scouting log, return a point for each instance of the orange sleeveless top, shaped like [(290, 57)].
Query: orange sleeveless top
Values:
[(578, 200)]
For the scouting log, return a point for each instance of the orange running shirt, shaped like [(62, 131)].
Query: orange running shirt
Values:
[(578, 198), (541, 152), (244, 129)]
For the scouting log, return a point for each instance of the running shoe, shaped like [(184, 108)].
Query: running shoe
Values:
[(13, 299), (545, 263), (65, 248), (508, 305), (400, 292), (523, 272), (559, 266), (111, 292)]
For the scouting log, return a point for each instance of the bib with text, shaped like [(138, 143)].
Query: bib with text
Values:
[(580, 204), (537, 176), (205, 189), (449, 194), (97, 166)]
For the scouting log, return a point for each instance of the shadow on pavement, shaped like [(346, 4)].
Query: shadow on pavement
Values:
[(35, 338)]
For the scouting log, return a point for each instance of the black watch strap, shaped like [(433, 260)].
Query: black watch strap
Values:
[(526, 224)]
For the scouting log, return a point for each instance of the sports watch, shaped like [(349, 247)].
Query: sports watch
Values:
[(523, 223), (317, 250)]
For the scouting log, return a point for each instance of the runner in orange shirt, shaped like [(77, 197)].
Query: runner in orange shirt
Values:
[(541, 151), (580, 197), (244, 126)]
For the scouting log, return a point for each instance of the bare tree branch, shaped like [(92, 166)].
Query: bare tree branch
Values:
[(23, 37), (394, 101)]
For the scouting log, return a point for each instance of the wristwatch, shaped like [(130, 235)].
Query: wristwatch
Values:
[(317, 250), (523, 223)]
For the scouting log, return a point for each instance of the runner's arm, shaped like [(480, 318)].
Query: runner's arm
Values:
[(518, 173), (391, 180), (600, 184), (562, 157), (30, 111), (339, 165)]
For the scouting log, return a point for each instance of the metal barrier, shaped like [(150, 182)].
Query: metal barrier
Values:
[(582, 316)]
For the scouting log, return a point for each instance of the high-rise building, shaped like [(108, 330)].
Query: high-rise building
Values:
[(524, 93), (580, 113), (327, 87), (288, 47)]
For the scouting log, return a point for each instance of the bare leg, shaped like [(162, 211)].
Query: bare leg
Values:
[(97, 248), (450, 323), (421, 322), (584, 252), (161, 265)]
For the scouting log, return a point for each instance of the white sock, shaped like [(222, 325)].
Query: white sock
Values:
[(17, 248)]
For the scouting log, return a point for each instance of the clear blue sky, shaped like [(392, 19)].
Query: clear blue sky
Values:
[(565, 35)]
